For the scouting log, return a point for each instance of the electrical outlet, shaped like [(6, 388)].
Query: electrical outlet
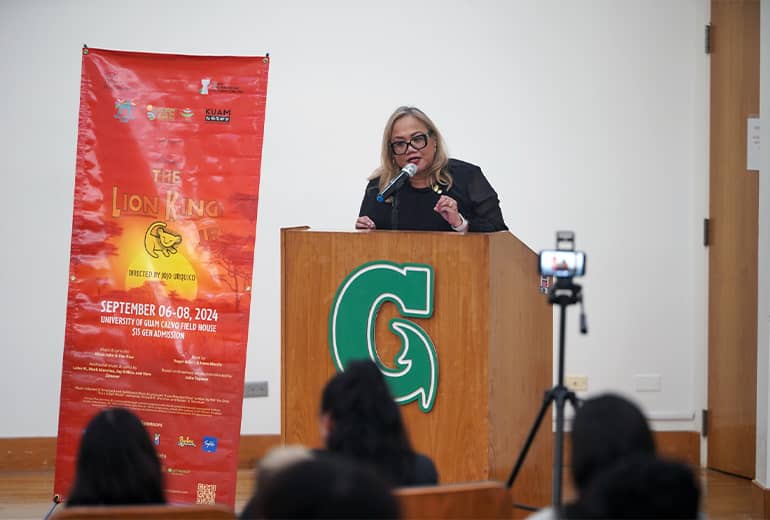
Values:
[(576, 383), (255, 389)]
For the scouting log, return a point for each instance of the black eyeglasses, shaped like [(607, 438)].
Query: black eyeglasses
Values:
[(418, 142)]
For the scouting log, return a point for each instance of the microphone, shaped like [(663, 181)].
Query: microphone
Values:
[(398, 181)]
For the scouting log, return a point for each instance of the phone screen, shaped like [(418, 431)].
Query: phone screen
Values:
[(562, 264)]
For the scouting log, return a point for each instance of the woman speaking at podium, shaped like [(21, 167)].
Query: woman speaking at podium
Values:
[(417, 187)]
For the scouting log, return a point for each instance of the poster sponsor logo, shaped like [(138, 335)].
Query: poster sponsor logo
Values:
[(156, 113), (186, 442), (210, 444), (124, 110), (209, 85), (218, 115)]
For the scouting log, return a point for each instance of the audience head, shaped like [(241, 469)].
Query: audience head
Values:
[(643, 486), (274, 461), (606, 429), (279, 458), (360, 419), (326, 486), (116, 463)]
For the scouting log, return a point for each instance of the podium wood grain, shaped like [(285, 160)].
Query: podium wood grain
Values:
[(491, 327)]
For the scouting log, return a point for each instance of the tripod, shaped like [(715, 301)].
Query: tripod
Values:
[(564, 293)]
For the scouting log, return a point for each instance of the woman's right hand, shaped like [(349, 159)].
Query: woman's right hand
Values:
[(365, 222)]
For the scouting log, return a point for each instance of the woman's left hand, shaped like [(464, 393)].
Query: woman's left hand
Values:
[(447, 208)]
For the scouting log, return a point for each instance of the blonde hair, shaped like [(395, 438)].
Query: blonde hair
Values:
[(438, 172), (279, 458)]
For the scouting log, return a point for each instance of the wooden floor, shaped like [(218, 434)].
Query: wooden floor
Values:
[(28, 494)]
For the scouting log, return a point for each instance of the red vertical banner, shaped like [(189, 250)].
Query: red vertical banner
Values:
[(165, 208)]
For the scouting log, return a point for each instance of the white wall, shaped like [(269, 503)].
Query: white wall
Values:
[(588, 116)]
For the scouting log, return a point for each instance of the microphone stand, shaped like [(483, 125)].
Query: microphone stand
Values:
[(56, 502), (394, 212)]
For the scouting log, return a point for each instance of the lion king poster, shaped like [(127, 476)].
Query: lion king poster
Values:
[(163, 230)]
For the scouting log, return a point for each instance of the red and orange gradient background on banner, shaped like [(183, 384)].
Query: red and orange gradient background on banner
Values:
[(166, 196)]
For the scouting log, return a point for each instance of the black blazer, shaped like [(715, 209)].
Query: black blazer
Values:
[(412, 208)]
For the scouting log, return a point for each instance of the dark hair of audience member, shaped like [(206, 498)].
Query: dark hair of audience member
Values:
[(365, 422), (606, 429), (116, 463), (326, 486), (642, 486)]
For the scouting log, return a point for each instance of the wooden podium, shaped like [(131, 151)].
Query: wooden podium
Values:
[(492, 331)]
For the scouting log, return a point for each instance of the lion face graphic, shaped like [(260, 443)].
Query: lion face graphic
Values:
[(159, 240)]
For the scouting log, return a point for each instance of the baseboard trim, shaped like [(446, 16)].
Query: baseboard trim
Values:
[(760, 500), (28, 454), (681, 446), (39, 453)]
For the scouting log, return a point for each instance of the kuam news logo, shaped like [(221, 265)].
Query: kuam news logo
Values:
[(218, 115)]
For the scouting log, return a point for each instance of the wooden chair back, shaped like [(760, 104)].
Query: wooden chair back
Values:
[(161, 512), (482, 500)]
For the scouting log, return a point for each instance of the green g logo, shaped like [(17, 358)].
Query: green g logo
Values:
[(354, 314)]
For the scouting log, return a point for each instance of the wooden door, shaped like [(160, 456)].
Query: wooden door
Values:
[(733, 208)]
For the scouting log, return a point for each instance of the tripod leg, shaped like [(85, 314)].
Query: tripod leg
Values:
[(561, 395), (519, 461)]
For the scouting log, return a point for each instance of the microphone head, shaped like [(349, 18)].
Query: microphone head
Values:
[(410, 169)]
